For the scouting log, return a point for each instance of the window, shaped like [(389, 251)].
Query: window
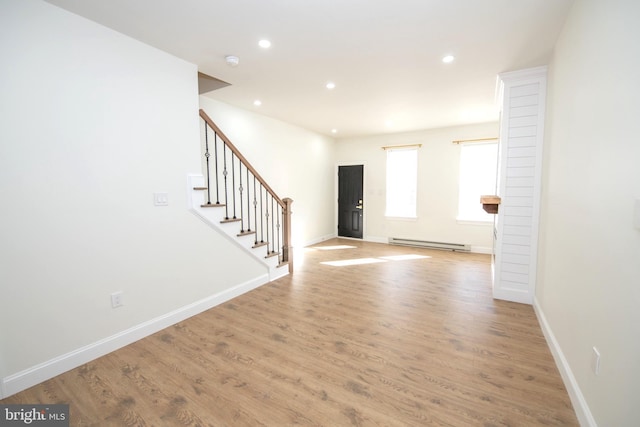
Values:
[(478, 168), (402, 182)]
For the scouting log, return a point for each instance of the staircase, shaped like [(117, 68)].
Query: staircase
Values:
[(235, 200)]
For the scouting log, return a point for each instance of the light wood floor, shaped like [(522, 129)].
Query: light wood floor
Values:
[(402, 341)]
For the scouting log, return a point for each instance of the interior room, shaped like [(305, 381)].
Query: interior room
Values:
[(107, 252)]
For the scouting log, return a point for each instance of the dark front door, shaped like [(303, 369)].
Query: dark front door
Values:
[(350, 205)]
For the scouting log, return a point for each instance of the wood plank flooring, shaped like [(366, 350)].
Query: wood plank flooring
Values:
[(412, 339)]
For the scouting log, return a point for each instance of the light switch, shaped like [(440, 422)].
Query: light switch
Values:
[(161, 199)]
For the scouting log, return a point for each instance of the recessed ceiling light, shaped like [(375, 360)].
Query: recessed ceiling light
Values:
[(448, 59), (330, 85), (257, 103), (334, 130), (265, 44)]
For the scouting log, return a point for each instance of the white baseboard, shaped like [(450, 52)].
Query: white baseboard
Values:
[(481, 249), (585, 418), (475, 249), (35, 375)]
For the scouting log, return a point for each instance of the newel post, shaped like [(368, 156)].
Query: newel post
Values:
[(287, 250)]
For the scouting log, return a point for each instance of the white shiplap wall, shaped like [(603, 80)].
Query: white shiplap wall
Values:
[(519, 180)]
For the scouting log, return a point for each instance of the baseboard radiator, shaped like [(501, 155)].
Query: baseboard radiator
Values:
[(431, 245)]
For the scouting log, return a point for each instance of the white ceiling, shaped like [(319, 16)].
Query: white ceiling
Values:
[(384, 56)]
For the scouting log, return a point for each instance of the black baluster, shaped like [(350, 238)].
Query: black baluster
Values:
[(233, 183), (248, 203), (261, 219), (225, 173), (215, 157), (207, 155), (255, 208), (240, 190), (273, 228), (266, 215)]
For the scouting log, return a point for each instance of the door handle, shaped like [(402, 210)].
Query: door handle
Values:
[(359, 207)]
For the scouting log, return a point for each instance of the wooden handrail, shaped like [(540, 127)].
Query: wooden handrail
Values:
[(244, 161)]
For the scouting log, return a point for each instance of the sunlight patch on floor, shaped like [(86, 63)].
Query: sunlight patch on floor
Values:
[(358, 261)]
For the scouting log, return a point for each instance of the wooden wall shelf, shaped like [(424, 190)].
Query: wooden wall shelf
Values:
[(490, 203)]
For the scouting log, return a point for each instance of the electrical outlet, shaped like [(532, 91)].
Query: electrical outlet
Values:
[(116, 299), (595, 361)]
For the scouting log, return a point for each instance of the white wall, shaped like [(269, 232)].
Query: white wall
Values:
[(589, 254), (91, 124), (296, 163), (438, 172)]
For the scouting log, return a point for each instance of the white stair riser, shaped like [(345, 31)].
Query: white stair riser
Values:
[(213, 217)]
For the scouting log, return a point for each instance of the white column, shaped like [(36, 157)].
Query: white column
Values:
[(519, 181)]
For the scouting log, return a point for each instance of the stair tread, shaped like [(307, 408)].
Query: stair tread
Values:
[(224, 221), (245, 233), (213, 205), (199, 188), (260, 244), (272, 254)]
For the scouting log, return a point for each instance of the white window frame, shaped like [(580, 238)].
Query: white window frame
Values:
[(402, 183), (472, 185)]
